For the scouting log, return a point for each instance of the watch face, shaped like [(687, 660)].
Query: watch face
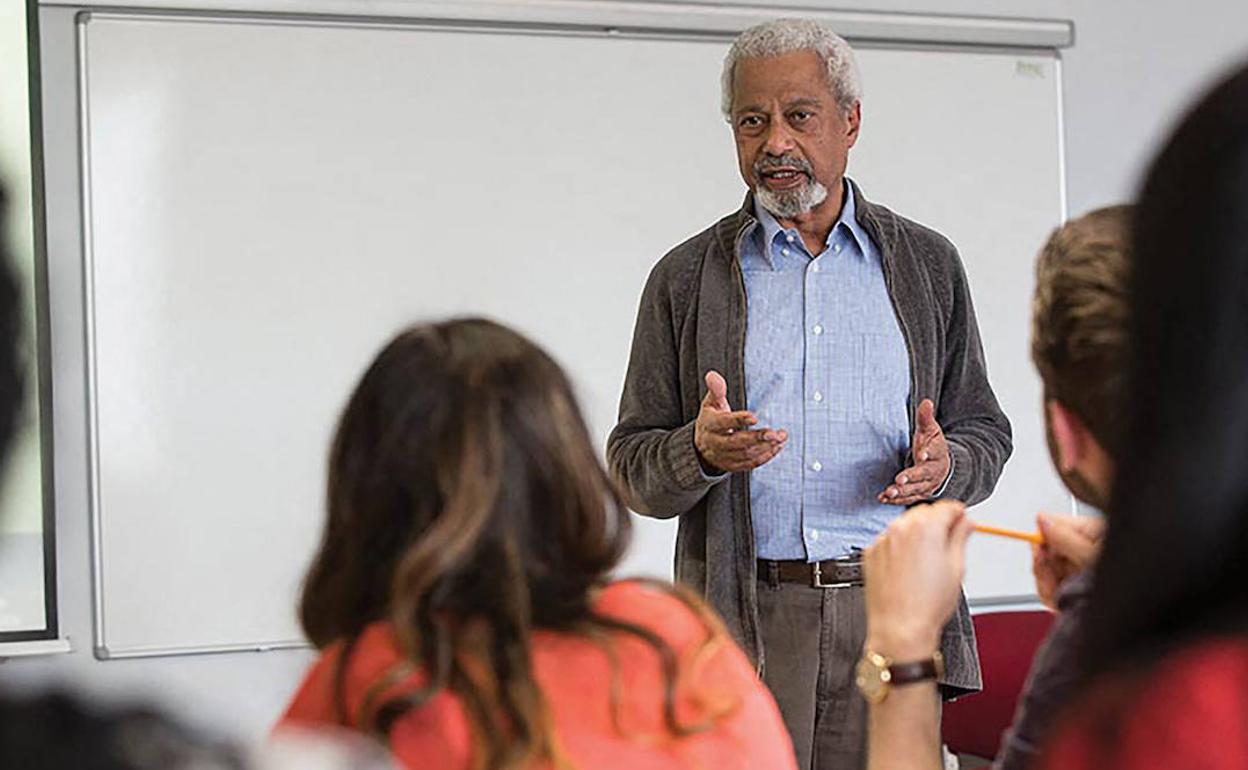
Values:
[(873, 677)]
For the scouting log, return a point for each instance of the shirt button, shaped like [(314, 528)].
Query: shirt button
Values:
[(818, 396), (789, 238), (817, 330), (785, 252), (837, 248), (814, 267), (814, 535), (816, 466)]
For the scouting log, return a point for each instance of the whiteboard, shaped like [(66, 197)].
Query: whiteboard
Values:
[(266, 202)]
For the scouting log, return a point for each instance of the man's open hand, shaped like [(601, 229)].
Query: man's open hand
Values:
[(930, 452), (726, 440)]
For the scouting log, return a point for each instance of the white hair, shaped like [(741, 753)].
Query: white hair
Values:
[(782, 36)]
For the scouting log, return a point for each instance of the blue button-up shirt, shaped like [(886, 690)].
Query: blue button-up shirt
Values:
[(825, 360)]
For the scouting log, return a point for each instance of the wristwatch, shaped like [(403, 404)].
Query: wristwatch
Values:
[(876, 673)]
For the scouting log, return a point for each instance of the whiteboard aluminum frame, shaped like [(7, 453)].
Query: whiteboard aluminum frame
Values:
[(100, 646), (159, 651), (1008, 604), (638, 17), (88, 297), (1042, 44)]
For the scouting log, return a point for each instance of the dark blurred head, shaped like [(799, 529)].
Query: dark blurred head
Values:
[(59, 732), (11, 384), (1175, 563)]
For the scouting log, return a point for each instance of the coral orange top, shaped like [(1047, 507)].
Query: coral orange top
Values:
[(1189, 711), (575, 675)]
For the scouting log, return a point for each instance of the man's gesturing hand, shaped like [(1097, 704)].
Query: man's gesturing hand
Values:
[(930, 451), (726, 440)]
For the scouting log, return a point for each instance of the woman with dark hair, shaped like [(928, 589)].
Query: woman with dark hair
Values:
[(461, 594), (1167, 634)]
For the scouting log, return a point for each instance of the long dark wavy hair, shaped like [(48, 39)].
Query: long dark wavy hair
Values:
[(1175, 562), (467, 507)]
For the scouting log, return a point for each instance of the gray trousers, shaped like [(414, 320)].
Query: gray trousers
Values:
[(813, 638)]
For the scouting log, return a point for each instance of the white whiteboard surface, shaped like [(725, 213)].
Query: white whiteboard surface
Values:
[(266, 203)]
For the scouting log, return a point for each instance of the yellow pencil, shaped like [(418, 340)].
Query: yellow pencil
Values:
[(988, 529)]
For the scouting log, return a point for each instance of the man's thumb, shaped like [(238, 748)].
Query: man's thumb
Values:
[(927, 416), (716, 391)]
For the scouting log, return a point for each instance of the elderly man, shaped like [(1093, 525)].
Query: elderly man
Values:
[(847, 333)]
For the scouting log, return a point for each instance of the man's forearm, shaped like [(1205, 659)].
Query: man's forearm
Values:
[(904, 732), (978, 459), (659, 471)]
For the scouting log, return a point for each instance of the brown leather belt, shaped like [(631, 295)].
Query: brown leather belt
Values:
[(834, 573)]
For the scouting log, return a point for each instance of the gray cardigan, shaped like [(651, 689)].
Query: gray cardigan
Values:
[(692, 318)]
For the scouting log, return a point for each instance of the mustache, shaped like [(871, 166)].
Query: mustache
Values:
[(773, 162)]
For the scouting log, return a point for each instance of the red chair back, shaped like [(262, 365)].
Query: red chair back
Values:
[(1007, 643)]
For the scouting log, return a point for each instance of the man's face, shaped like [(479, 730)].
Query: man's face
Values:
[(792, 137)]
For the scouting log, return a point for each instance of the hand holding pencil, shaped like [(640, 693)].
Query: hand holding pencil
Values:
[(913, 571), (1071, 545), (1063, 546), (1076, 537)]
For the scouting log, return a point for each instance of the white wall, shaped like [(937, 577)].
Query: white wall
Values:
[(1133, 67)]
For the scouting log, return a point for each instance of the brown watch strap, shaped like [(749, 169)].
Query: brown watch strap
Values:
[(906, 673)]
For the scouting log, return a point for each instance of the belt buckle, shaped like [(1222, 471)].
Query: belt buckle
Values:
[(816, 580)]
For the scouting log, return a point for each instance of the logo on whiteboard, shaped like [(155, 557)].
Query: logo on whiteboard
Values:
[(1028, 69)]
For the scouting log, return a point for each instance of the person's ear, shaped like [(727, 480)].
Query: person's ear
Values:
[(1069, 435), (854, 120)]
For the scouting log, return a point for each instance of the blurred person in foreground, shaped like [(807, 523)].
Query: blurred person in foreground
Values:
[(1079, 346), (461, 596), (1163, 661)]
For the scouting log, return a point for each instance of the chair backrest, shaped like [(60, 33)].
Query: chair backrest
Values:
[(1007, 643)]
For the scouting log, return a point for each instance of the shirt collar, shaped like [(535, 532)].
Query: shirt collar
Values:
[(848, 221), (769, 230)]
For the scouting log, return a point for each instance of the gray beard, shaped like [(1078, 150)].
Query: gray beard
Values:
[(793, 203)]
